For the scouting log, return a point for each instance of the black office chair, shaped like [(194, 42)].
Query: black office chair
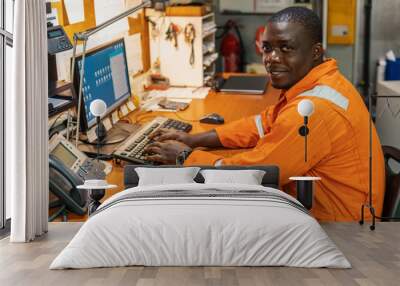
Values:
[(391, 205), (62, 183)]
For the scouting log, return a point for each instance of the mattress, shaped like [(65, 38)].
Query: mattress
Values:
[(201, 225)]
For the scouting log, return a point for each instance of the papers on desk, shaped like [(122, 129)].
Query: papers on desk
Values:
[(152, 105), (181, 93)]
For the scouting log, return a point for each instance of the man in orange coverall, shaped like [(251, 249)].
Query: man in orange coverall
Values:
[(339, 128)]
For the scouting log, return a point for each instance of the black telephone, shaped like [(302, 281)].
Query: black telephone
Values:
[(68, 169), (57, 40), (62, 184)]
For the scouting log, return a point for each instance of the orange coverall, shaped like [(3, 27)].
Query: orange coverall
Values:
[(338, 144)]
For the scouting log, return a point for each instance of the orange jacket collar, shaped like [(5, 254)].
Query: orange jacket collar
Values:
[(311, 79)]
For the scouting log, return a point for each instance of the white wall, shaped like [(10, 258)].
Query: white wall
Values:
[(385, 24)]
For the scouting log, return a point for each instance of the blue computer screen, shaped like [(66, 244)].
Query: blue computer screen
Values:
[(106, 77)]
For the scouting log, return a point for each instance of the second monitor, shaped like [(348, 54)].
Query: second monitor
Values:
[(106, 77)]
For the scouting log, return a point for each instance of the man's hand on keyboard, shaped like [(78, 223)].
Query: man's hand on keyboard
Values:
[(165, 152), (164, 134)]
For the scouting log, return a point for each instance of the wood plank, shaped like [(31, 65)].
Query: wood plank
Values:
[(70, 29), (139, 25)]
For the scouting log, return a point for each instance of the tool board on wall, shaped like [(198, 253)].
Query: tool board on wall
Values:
[(258, 6)]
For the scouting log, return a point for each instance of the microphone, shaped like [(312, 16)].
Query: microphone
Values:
[(305, 108)]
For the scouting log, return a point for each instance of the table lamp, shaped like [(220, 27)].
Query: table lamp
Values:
[(99, 108), (95, 182), (305, 108), (305, 185)]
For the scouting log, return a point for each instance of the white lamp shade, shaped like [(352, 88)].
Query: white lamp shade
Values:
[(305, 107), (96, 185), (98, 107)]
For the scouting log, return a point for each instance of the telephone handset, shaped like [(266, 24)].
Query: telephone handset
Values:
[(62, 184), (68, 174)]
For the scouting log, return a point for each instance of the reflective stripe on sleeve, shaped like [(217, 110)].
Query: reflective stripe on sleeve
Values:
[(328, 93), (259, 125)]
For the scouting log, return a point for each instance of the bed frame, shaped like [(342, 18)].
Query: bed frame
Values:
[(270, 179)]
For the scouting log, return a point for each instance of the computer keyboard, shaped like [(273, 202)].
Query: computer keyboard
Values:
[(132, 149)]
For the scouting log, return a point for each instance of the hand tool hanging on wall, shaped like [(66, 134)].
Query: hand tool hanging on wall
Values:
[(190, 35), (172, 34)]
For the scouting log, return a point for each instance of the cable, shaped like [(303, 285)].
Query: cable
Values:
[(54, 130), (388, 218), (55, 121), (93, 155), (51, 134), (103, 143)]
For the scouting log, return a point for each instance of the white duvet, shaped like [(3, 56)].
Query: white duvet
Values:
[(200, 231)]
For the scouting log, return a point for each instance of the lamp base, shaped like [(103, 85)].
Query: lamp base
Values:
[(305, 193), (372, 210), (94, 200), (101, 132), (305, 190), (97, 189), (374, 216)]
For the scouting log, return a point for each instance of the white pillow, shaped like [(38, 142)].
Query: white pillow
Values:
[(164, 176), (248, 177)]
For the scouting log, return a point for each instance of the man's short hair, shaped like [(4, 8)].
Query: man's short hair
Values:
[(303, 16)]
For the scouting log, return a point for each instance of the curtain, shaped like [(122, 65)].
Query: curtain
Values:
[(27, 123)]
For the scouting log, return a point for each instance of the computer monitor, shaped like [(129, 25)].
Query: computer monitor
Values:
[(106, 77)]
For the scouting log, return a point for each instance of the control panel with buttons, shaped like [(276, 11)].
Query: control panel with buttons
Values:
[(57, 40), (75, 159)]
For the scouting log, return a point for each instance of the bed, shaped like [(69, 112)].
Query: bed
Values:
[(201, 224)]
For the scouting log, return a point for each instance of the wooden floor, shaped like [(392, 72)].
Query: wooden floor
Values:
[(375, 257)]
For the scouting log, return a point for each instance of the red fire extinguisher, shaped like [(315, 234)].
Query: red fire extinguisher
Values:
[(259, 35), (231, 48)]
